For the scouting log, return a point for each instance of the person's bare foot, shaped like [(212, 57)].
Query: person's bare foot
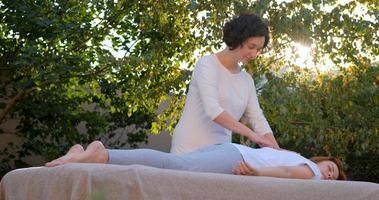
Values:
[(95, 153), (74, 150)]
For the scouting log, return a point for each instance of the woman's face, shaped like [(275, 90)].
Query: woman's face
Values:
[(250, 49), (329, 170)]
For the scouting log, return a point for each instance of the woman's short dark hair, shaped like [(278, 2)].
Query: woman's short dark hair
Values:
[(242, 27)]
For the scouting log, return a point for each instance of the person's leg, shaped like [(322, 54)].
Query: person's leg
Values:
[(148, 157), (97, 153), (220, 158), (214, 158)]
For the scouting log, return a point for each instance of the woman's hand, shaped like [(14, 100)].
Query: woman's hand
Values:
[(245, 169), (227, 121), (262, 141)]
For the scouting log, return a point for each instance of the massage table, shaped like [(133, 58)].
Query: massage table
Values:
[(106, 181)]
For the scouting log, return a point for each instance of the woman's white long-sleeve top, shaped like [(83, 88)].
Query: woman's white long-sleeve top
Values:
[(212, 90)]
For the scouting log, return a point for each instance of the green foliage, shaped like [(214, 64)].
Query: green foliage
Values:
[(58, 71), (326, 114)]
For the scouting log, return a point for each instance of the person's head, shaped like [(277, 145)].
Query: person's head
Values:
[(243, 27), (330, 167), (248, 33)]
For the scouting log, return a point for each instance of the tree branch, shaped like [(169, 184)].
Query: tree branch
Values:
[(13, 102)]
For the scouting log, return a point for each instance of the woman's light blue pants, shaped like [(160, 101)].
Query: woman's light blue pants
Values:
[(219, 158)]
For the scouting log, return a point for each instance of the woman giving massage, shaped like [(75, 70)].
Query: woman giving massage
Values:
[(228, 158), (220, 93)]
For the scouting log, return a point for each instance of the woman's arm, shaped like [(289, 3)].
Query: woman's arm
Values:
[(206, 78), (255, 118), (297, 172), (227, 121), (270, 137)]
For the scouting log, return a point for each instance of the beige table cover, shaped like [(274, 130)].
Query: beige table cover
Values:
[(100, 181)]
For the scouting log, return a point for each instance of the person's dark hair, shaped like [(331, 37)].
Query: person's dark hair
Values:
[(242, 27), (338, 162)]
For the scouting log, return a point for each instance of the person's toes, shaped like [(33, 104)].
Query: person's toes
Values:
[(60, 161), (51, 164)]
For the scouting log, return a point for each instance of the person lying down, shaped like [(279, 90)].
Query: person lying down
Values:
[(226, 158)]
